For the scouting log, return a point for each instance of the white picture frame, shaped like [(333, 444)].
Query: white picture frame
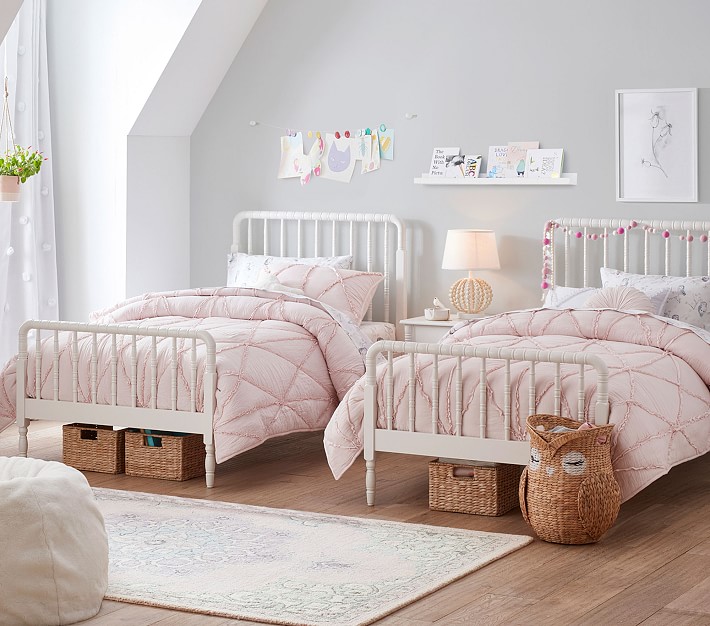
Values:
[(657, 145)]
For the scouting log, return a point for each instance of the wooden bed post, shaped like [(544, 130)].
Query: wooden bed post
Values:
[(21, 377), (370, 420), (209, 390), (400, 276)]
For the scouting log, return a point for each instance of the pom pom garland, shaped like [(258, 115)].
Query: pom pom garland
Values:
[(550, 227)]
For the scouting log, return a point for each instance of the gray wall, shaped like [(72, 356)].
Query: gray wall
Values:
[(476, 74), (157, 214)]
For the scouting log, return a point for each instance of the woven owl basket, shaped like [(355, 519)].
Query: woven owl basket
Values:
[(568, 492)]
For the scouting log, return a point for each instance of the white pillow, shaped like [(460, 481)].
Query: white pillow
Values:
[(621, 299), (687, 298), (559, 297), (243, 269)]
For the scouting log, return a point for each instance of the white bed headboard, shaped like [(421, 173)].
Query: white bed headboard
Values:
[(575, 248), (327, 233)]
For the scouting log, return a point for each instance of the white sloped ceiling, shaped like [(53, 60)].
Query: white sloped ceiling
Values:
[(197, 66)]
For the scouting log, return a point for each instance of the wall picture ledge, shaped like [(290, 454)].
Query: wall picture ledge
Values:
[(657, 145)]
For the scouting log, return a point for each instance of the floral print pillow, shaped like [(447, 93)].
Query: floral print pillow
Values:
[(688, 296), (243, 269)]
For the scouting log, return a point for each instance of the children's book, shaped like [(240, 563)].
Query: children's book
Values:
[(517, 151), (472, 165), (544, 163), (497, 161), (442, 160), (454, 166)]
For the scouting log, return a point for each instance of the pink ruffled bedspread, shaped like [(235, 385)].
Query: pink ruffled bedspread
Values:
[(282, 363), (658, 388)]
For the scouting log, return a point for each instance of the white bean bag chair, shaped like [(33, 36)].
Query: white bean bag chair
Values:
[(53, 544)]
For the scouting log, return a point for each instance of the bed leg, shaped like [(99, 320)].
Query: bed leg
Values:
[(370, 482), (210, 464), (22, 443)]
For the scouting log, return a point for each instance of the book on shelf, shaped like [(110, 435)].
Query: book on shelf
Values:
[(544, 163), (472, 165), (445, 162), (497, 161), (516, 159)]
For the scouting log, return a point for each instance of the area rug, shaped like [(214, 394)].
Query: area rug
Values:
[(280, 566)]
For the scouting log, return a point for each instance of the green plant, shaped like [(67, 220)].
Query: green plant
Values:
[(21, 162)]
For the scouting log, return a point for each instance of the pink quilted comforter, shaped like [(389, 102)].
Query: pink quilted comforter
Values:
[(658, 388), (282, 363)]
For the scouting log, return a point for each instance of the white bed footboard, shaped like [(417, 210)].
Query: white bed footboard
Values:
[(114, 413), (457, 445)]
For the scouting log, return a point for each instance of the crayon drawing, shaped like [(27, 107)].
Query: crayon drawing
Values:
[(338, 161), (291, 156), (387, 144), (373, 163)]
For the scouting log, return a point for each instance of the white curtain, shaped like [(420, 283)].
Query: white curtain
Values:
[(28, 260)]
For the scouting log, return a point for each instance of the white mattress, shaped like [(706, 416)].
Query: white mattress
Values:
[(375, 331)]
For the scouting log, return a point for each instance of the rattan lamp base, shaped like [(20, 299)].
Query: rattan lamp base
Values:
[(470, 295)]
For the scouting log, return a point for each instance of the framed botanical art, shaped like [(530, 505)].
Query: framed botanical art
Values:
[(657, 145)]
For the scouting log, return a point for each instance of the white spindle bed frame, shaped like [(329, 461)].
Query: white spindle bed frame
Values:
[(192, 420), (685, 237)]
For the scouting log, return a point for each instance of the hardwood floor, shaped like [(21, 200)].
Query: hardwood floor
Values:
[(651, 568)]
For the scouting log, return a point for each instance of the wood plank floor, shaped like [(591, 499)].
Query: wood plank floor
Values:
[(652, 567)]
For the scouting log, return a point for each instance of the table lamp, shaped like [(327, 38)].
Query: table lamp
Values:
[(470, 249)]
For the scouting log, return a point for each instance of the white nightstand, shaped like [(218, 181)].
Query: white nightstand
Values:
[(424, 330)]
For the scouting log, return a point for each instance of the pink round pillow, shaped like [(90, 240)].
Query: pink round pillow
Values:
[(621, 299)]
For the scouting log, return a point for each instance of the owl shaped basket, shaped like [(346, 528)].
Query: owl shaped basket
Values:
[(568, 492)]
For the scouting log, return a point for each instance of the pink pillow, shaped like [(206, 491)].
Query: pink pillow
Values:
[(349, 291), (621, 299)]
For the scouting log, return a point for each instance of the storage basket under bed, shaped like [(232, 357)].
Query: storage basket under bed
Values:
[(170, 457), (93, 448), (487, 489)]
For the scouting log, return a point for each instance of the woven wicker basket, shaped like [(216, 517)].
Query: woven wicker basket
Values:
[(93, 448), (568, 492), (171, 457), (487, 490)]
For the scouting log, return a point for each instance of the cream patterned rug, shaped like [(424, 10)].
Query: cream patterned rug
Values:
[(279, 566)]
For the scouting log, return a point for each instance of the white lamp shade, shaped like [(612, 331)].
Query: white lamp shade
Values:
[(468, 249)]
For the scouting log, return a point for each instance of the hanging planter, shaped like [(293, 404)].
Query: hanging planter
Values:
[(17, 164)]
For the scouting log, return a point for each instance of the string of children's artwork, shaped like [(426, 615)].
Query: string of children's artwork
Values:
[(333, 155)]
